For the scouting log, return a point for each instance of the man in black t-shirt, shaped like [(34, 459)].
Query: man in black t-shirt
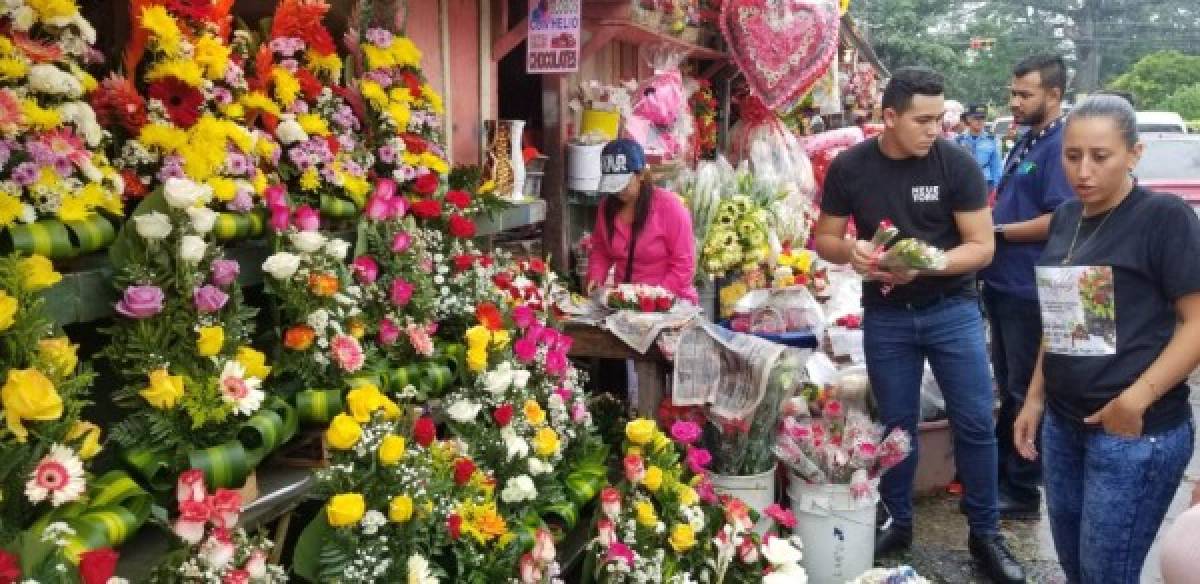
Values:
[(931, 190)]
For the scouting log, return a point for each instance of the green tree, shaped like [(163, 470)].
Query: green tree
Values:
[(1158, 76), (1185, 102)]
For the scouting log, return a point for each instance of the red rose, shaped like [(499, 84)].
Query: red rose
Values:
[(489, 316), (503, 415), (95, 566), (10, 568), (460, 199), (424, 431), (461, 227), (426, 209), (485, 261), (463, 470), (426, 184), (503, 280), (537, 266), (414, 144), (646, 304), (454, 525), (663, 303), (463, 262)]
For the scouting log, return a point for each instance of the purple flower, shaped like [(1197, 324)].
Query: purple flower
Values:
[(237, 164), (141, 302), (286, 46), (380, 76), (241, 203), (64, 167), (379, 36), (345, 117), (222, 96), (41, 153), (387, 154), (25, 173), (224, 272), (209, 298), (290, 64)]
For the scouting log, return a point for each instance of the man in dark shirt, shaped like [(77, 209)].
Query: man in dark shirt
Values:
[(1031, 188), (932, 190)]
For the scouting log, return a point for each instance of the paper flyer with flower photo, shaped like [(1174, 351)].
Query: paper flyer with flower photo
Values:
[(1079, 316)]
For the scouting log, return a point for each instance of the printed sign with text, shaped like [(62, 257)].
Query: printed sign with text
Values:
[(553, 39)]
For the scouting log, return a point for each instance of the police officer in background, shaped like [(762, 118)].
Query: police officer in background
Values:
[(982, 145)]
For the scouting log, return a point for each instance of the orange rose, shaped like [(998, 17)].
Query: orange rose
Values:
[(299, 337), (323, 284)]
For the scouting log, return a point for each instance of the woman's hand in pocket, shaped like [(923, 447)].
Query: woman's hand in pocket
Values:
[(1122, 416)]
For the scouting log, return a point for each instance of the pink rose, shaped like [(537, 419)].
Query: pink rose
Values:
[(388, 332), (141, 302), (401, 242), (525, 349), (385, 187), (238, 576), (225, 504), (543, 547), (610, 502), (556, 363), (225, 272), (398, 206), (281, 218), (523, 316), (706, 491), (347, 353), (530, 570), (401, 292), (698, 459), (193, 516), (275, 196), (747, 551), (209, 299), (190, 486), (782, 516), (366, 270), (685, 432), (378, 208), (606, 532), (307, 219), (619, 552), (635, 468)]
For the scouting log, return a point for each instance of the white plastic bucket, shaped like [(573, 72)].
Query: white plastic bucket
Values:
[(583, 166), (838, 532), (756, 491)]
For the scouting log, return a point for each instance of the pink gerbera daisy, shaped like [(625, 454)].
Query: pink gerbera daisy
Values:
[(347, 353), (58, 477)]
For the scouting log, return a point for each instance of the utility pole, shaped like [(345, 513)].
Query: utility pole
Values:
[(1087, 79)]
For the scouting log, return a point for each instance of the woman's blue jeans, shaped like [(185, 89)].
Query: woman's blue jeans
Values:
[(1107, 495)]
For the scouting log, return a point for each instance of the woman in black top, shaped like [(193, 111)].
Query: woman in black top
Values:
[(1119, 288)]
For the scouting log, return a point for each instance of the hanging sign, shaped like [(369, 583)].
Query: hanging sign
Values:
[(553, 39)]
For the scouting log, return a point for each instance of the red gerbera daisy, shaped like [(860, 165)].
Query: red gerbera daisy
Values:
[(197, 10), (183, 102), (117, 102)]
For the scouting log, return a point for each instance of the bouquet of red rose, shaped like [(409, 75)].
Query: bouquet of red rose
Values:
[(639, 298)]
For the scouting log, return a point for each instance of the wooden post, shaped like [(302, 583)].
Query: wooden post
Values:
[(556, 116)]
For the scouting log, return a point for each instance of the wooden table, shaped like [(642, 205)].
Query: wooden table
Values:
[(651, 368)]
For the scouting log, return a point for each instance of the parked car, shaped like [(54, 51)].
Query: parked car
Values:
[(1171, 164), (1166, 122)]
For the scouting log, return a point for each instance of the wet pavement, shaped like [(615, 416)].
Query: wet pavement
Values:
[(940, 537)]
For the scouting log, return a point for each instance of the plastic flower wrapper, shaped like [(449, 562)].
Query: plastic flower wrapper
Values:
[(840, 447), (916, 255), (214, 550), (52, 148), (663, 522), (299, 100), (180, 343), (197, 111), (884, 234), (394, 493)]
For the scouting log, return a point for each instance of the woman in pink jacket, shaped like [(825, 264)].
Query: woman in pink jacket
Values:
[(643, 231)]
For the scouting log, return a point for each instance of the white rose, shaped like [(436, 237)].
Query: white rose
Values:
[(50, 80), (538, 467), (153, 225), (519, 489), (520, 378), (191, 248), (282, 265), (516, 446), (498, 381), (182, 193), (23, 18), (337, 248), (463, 411), (289, 131), (307, 241), (203, 218)]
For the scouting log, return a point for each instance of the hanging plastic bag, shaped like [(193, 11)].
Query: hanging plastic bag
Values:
[(661, 120)]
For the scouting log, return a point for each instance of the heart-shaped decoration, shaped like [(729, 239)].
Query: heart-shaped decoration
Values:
[(781, 46)]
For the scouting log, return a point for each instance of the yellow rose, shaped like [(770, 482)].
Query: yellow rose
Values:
[(29, 395), (164, 390), (391, 411), (345, 509), (687, 495), (534, 413), (653, 479), (400, 509), (343, 432), (478, 337), (363, 400), (59, 354), (640, 431), (683, 537), (391, 449), (500, 339), (661, 442), (646, 517), (8, 310), (477, 360), (254, 362), (209, 340), (38, 273), (545, 442), (90, 433), (634, 451)]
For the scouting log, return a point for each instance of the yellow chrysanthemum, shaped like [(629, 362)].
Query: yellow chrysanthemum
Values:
[(6, 46), (265, 148), (224, 189), (114, 204), (188, 72), (163, 29), (38, 117), (234, 111), (164, 137), (260, 181), (378, 58), (56, 12), (311, 179), (400, 114), (330, 65), (355, 186), (93, 195), (12, 69), (405, 53), (434, 98), (287, 88), (434, 162), (401, 94), (72, 208), (258, 101), (374, 94), (313, 124), (212, 54), (10, 209)]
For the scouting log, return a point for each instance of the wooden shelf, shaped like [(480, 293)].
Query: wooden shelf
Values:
[(610, 20)]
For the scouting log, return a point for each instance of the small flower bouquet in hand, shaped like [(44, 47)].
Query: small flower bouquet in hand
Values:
[(884, 234), (639, 298), (914, 254)]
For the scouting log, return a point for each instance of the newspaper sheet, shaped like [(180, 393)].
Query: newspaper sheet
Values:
[(717, 366), (640, 329)]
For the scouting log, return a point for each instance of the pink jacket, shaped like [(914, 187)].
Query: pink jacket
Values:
[(666, 249)]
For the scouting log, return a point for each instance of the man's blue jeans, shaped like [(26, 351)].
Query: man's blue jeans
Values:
[(1016, 337), (1107, 495), (949, 334)]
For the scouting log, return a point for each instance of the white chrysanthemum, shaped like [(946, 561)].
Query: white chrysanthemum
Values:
[(58, 477)]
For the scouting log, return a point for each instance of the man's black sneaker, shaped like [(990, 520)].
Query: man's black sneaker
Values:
[(895, 538), (995, 559)]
